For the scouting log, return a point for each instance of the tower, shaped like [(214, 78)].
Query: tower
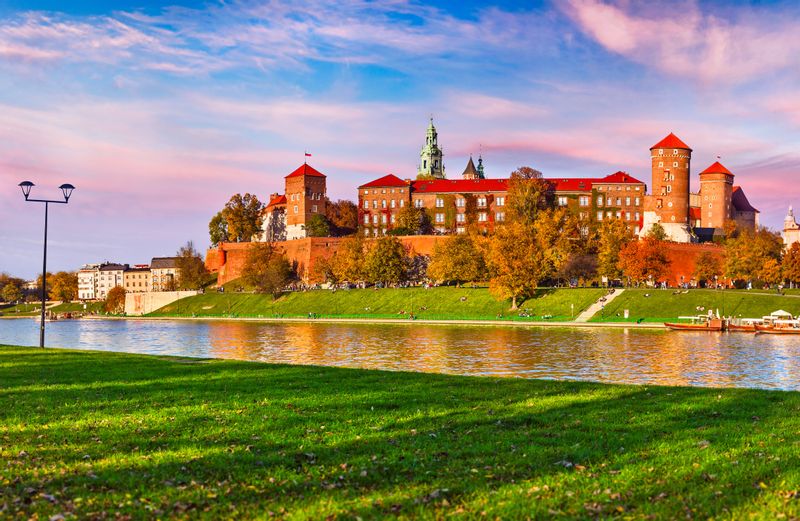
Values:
[(716, 186), (791, 230), (470, 172), (668, 204), (305, 196), (431, 162), (481, 174)]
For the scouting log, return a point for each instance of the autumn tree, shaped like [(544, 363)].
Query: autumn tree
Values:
[(557, 236), (11, 292), (347, 264), (243, 217), (770, 271), (457, 259), (613, 235), (267, 269), (218, 229), (579, 266), (342, 216), (516, 262), (657, 232), (63, 286), (528, 194), (386, 261), (749, 251), (115, 300), (790, 265), (318, 226), (412, 221), (708, 266), (192, 272), (644, 260)]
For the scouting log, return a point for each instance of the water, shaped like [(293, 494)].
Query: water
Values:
[(603, 355)]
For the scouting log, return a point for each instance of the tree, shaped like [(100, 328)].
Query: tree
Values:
[(343, 217), (749, 251), (791, 264), (644, 260), (515, 261), (48, 284), (613, 236), (218, 229), (192, 272), (386, 261), (556, 234), (347, 264), (657, 232), (579, 266), (708, 266), (12, 292), (267, 269), (457, 259), (115, 300), (528, 193), (63, 286), (243, 215), (770, 272), (318, 226)]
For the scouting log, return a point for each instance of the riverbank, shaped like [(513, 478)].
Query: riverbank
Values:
[(93, 434)]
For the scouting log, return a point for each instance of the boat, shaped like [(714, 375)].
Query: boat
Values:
[(741, 328), (701, 323), (780, 327)]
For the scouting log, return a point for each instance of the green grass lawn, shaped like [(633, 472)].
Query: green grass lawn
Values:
[(11, 310), (664, 305), (92, 435), (440, 303), (66, 307)]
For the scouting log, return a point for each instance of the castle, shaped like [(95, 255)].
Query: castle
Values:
[(474, 199)]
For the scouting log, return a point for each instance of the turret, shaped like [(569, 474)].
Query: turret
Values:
[(431, 157)]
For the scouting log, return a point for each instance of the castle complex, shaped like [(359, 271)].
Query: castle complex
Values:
[(473, 199)]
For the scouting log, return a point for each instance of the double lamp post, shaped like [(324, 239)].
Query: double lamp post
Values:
[(66, 189)]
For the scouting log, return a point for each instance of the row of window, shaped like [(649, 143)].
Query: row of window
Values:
[(383, 191), (313, 209), (392, 203), (314, 196), (584, 201), (637, 188), (618, 215)]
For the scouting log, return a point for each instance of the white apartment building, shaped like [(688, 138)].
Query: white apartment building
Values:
[(110, 276), (87, 281)]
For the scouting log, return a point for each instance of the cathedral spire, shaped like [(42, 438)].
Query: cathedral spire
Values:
[(431, 157)]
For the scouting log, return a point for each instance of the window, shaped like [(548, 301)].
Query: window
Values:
[(375, 219), (366, 192), (459, 217), (599, 216), (562, 200), (482, 217), (599, 200), (619, 215), (383, 191), (628, 216), (392, 190), (481, 201), (366, 205), (439, 218), (675, 164), (583, 200), (392, 218), (392, 203), (500, 216), (619, 201), (661, 164), (660, 152), (439, 203), (366, 232), (314, 208), (374, 203), (659, 203), (636, 216), (383, 203), (460, 229), (460, 202), (383, 219), (675, 152), (636, 202), (417, 203), (669, 189), (295, 209), (609, 201), (627, 201), (500, 201), (402, 203)]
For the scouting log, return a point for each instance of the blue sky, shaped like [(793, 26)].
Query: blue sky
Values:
[(158, 112)]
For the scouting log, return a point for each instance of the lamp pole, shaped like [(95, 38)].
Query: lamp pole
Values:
[(66, 189)]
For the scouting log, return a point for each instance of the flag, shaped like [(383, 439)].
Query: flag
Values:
[(308, 155)]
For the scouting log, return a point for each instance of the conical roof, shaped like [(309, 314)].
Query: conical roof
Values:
[(716, 168), (671, 141), (471, 172)]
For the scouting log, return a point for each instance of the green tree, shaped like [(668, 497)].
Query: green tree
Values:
[(318, 226), (347, 264), (192, 272), (267, 269), (528, 194), (411, 219), (515, 261), (791, 264), (612, 237), (386, 261), (12, 292), (657, 232), (243, 215), (218, 229), (457, 259), (63, 286), (115, 300), (708, 266)]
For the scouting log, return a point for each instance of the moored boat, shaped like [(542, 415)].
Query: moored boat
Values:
[(697, 324), (741, 328)]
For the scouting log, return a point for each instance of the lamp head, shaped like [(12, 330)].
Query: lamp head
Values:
[(67, 190), (26, 188)]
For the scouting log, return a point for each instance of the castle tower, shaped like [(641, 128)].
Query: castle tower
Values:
[(668, 203), (481, 174), (431, 162), (471, 172), (305, 196), (716, 186)]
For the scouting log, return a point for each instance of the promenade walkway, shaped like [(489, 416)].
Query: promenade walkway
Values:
[(597, 306)]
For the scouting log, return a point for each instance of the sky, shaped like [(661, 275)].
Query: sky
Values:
[(159, 111)]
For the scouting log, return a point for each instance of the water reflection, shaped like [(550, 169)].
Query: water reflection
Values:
[(606, 355)]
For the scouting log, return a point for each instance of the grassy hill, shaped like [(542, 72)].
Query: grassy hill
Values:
[(434, 303), (656, 305)]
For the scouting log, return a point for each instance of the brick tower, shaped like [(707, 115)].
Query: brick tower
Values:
[(305, 196), (716, 187), (668, 203)]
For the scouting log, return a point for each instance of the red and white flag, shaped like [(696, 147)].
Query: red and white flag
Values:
[(308, 155)]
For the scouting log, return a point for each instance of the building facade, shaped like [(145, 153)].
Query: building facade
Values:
[(137, 279), (88, 277), (791, 230), (285, 216), (164, 273), (110, 276)]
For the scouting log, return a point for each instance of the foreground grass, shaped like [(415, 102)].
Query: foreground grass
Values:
[(657, 305), (91, 435), (434, 303)]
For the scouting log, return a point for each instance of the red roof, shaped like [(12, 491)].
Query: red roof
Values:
[(740, 202), (279, 199), (695, 213), (460, 185), (571, 184), (671, 141), (618, 177), (306, 169), (716, 168), (387, 180)]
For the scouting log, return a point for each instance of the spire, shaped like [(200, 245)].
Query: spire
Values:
[(481, 174), (431, 156), (470, 172)]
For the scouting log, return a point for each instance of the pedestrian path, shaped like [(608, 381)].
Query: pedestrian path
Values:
[(597, 306)]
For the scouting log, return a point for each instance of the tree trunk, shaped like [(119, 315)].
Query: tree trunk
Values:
[(514, 303)]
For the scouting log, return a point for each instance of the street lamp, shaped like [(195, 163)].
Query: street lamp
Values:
[(66, 189)]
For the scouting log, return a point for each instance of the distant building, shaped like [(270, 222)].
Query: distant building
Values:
[(88, 278), (431, 157), (164, 273), (791, 230), (110, 275), (137, 279)]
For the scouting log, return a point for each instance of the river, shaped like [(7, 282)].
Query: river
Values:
[(602, 355)]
